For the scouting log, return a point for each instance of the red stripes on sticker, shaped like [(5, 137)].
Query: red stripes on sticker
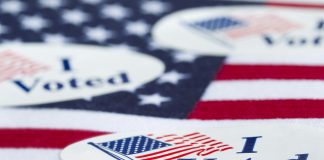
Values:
[(296, 5), (42, 138), (258, 109), (246, 72)]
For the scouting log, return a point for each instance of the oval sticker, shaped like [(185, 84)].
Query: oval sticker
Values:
[(236, 143), (243, 30), (42, 73)]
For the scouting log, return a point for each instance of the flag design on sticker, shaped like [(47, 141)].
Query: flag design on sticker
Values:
[(166, 147), (13, 65), (239, 27)]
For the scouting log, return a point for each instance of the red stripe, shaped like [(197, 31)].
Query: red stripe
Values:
[(295, 5), (209, 141), (225, 145), (169, 135), (199, 140), (182, 142), (42, 138), (191, 134), (236, 72), (214, 144), (225, 149), (263, 109)]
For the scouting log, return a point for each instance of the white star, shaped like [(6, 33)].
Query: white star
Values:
[(12, 7), (115, 11), (51, 3), (34, 23), (75, 16), (93, 2), (3, 29), (172, 77), (154, 7), (185, 57), (55, 38), (139, 28), (98, 34), (155, 99)]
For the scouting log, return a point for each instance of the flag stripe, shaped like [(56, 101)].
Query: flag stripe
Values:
[(313, 59), (245, 72), (295, 5), (264, 90), (29, 154), (260, 109), (42, 138), (70, 119), (163, 151)]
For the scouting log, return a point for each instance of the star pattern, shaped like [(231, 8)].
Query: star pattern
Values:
[(185, 57), (55, 38), (123, 24), (115, 11), (154, 99), (75, 17), (35, 23), (154, 7), (12, 7), (93, 2), (98, 34), (139, 28), (51, 3), (3, 29), (172, 77)]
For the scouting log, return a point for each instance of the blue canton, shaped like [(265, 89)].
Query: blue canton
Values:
[(219, 23), (133, 145)]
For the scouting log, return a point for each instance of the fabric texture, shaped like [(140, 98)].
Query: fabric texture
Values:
[(207, 91)]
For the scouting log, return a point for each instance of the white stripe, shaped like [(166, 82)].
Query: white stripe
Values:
[(111, 122), (170, 151), (279, 59), (29, 154), (264, 90)]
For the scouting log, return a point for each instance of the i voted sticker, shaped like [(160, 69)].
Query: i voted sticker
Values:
[(235, 143), (42, 73), (243, 30)]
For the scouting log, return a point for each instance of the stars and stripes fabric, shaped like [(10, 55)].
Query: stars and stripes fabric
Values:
[(265, 87), (193, 88)]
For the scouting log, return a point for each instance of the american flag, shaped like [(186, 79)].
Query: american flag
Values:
[(240, 27), (165, 147), (188, 92)]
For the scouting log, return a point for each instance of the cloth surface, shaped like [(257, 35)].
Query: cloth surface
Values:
[(203, 91)]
